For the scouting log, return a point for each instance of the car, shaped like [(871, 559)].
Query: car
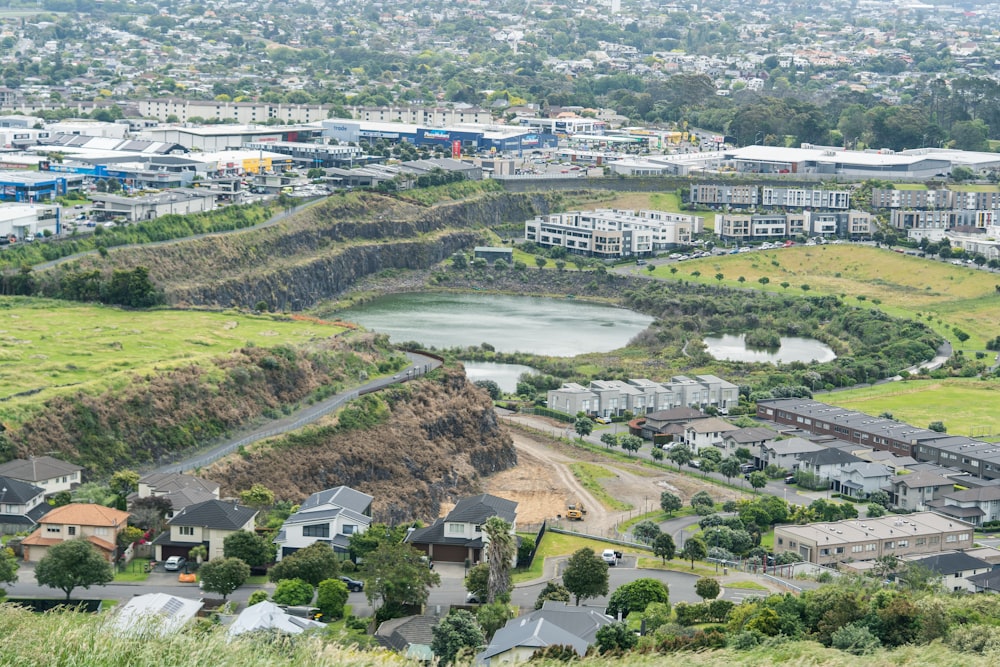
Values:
[(694, 464), (610, 557), (174, 563), (640, 262), (472, 598), (353, 585), (790, 479), (746, 468), (602, 420)]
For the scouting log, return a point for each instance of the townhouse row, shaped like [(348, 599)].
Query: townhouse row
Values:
[(613, 398)]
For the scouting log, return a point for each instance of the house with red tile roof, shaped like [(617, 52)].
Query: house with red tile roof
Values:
[(97, 524)]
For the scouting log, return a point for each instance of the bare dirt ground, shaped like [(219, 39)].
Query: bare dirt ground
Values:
[(542, 483)]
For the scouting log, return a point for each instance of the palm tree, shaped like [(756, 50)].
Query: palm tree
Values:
[(499, 553)]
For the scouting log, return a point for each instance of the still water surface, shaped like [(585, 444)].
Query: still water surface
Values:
[(793, 348), (556, 327)]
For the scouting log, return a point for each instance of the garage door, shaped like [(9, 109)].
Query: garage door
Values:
[(450, 553), (169, 551)]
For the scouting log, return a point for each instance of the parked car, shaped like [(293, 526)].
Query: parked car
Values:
[(175, 563), (602, 420), (746, 468), (353, 585), (694, 464), (790, 479), (610, 557), (472, 598)]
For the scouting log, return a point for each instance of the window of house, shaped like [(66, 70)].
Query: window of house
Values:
[(963, 537), (951, 538), (52, 529), (871, 547), (935, 539), (792, 544), (456, 528), (101, 530), (921, 541), (186, 530), (316, 530), (349, 529), (824, 552), (11, 508), (903, 543), (71, 530), (838, 550), (890, 544)]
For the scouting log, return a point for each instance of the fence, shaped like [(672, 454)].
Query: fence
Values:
[(526, 563), (601, 538), (782, 583)]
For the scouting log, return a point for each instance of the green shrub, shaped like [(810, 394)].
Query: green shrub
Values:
[(256, 598), (331, 598), (855, 638), (293, 592)]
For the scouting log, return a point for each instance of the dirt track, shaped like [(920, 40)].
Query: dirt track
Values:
[(542, 483)]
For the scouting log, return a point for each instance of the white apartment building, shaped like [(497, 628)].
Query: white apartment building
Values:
[(611, 233)]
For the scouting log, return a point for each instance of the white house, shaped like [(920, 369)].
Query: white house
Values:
[(709, 432), (47, 472), (914, 491), (860, 480), (22, 505), (330, 516), (977, 506), (269, 616), (954, 567), (786, 453), (459, 535), (827, 463)]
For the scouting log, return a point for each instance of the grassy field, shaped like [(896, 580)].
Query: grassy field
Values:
[(590, 476), (558, 544), (942, 294), (48, 347), (967, 407)]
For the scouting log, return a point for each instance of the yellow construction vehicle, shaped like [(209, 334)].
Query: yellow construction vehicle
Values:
[(575, 511)]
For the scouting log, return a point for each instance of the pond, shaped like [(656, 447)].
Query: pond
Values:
[(505, 375), (547, 326), (793, 348)]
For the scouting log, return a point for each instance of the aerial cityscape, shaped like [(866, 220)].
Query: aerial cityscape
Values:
[(491, 332)]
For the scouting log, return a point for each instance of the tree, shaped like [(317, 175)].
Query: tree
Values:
[(395, 575), (703, 503), (500, 550), (130, 535), (586, 575), (882, 498), (459, 260), (630, 443), (123, 482), (8, 567), (293, 592), (616, 637), (478, 580), (670, 502), (583, 426), (491, 388), (636, 596), (707, 588), (492, 617), (694, 549), (198, 553), (758, 480), (258, 496), (885, 565), (663, 546), (680, 454), (875, 510), (313, 564), (645, 531), (223, 575), (456, 633), (938, 427), (252, 549), (553, 591), (730, 467), (331, 598), (610, 440), (150, 512), (540, 262), (73, 564)]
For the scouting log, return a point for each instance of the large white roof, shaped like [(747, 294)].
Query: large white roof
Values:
[(827, 155)]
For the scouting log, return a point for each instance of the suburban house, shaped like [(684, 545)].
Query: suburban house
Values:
[(913, 492), (860, 480), (330, 516), (267, 616), (888, 459), (492, 254), (154, 615), (752, 438), (47, 472), (986, 582), (180, 489), (669, 422), (785, 453), (410, 636), (207, 523), (954, 568), (830, 543), (554, 623), (826, 464), (21, 505), (458, 536), (977, 506), (97, 524), (709, 432)]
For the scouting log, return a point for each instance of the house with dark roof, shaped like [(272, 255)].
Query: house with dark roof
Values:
[(985, 582), (47, 472), (330, 516), (459, 536), (977, 506), (208, 524), (785, 453), (180, 489), (826, 463), (520, 638), (954, 568), (583, 622), (410, 636), (97, 524), (752, 438), (914, 491), (861, 479), (21, 505)]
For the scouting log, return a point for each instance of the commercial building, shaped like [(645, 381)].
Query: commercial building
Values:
[(836, 162), (36, 186), (224, 137), (612, 398), (22, 222), (453, 138), (611, 233), (313, 155), (134, 209), (831, 543)]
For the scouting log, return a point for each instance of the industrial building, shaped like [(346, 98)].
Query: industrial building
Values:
[(454, 139), (25, 221), (836, 162)]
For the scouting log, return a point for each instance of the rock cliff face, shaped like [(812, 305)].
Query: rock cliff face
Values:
[(319, 252), (440, 436)]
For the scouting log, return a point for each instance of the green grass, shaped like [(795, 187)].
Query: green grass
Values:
[(590, 476), (975, 187), (559, 544), (747, 586), (909, 186), (966, 406), (258, 580), (678, 565), (50, 347), (943, 295), (134, 571), (767, 540)]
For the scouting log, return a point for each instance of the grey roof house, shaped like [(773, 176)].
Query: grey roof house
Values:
[(21, 505), (330, 516), (459, 536), (50, 473), (208, 523)]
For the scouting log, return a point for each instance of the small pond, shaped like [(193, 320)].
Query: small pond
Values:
[(793, 348)]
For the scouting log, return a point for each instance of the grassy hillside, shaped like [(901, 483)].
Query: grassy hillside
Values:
[(967, 407), (945, 295), (51, 348)]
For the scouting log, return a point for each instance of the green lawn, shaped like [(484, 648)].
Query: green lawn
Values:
[(909, 186), (558, 544), (48, 347), (590, 476), (966, 406), (134, 571), (678, 565), (747, 586)]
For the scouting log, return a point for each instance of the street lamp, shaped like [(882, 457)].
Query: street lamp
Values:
[(757, 137)]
